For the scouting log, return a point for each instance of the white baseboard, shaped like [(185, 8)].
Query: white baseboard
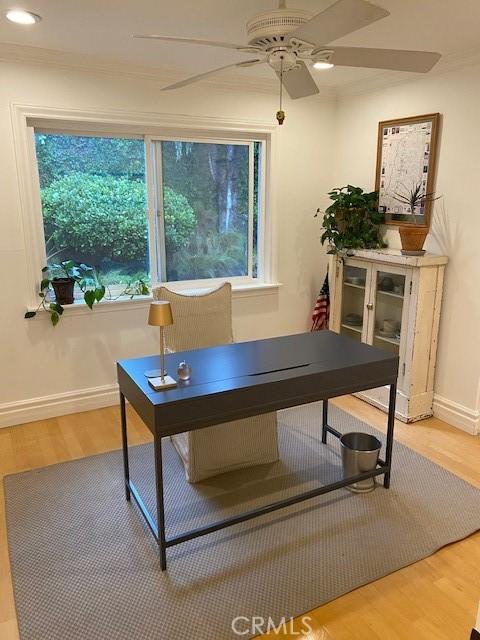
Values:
[(59, 404), (457, 414)]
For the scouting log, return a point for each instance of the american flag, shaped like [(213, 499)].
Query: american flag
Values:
[(321, 312)]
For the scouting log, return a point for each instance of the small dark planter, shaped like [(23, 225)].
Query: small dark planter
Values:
[(63, 288)]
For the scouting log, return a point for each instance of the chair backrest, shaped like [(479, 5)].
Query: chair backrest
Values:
[(199, 320)]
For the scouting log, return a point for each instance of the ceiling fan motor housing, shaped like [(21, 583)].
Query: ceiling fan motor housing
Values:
[(269, 29)]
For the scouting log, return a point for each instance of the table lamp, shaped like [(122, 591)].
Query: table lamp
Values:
[(160, 315)]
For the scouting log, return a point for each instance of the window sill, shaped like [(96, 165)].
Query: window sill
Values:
[(79, 308), (239, 290), (253, 290)]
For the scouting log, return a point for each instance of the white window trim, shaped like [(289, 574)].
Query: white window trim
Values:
[(24, 117)]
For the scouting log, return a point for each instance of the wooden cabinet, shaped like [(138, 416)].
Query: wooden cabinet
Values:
[(393, 302)]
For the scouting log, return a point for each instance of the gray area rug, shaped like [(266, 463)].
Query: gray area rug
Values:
[(85, 566)]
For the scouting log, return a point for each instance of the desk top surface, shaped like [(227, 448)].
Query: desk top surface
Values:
[(253, 364)]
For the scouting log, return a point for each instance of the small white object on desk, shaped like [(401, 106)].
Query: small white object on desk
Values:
[(159, 384)]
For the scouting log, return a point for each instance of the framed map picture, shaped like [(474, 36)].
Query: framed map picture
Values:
[(406, 159)]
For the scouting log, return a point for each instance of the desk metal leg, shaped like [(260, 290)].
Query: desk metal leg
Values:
[(390, 425), (160, 506), (126, 471), (324, 421), (158, 528)]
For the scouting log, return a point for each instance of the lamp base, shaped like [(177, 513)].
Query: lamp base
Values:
[(154, 373), (158, 385)]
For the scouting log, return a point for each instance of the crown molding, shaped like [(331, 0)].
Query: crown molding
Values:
[(93, 64), (105, 66), (384, 79), (225, 80)]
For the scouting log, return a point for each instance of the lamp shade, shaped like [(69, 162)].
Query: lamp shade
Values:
[(160, 314)]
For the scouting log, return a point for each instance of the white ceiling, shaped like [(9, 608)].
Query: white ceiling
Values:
[(103, 28)]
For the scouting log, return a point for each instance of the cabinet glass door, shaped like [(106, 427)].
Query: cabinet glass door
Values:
[(353, 301), (389, 302)]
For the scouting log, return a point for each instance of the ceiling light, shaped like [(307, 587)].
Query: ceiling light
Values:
[(20, 16), (322, 64)]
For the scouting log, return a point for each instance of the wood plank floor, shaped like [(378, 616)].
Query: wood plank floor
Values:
[(434, 599)]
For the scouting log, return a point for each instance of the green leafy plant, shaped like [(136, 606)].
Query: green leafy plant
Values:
[(89, 215), (415, 198), (209, 256), (86, 279), (352, 221), (180, 221)]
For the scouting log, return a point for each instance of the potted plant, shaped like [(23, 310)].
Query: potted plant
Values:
[(413, 235), (352, 221), (64, 277)]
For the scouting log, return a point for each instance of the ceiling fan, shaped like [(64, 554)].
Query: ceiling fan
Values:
[(285, 38)]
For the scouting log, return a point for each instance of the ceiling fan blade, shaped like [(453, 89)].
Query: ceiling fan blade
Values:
[(208, 43), (298, 82), (341, 18), (183, 83), (392, 59)]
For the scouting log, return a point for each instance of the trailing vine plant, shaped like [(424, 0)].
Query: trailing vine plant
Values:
[(85, 277)]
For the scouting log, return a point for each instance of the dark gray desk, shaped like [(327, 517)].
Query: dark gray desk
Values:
[(245, 379)]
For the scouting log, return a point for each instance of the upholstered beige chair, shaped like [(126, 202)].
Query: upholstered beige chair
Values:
[(205, 320)]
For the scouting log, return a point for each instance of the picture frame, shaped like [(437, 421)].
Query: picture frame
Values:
[(406, 158)]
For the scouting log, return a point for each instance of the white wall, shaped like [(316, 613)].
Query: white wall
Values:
[(47, 371), (456, 227), (322, 144)]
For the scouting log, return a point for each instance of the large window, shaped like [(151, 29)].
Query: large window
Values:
[(170, 209)]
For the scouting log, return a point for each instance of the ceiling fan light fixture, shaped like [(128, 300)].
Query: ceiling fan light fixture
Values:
[(323, 65), (322, 59), (20, 16)]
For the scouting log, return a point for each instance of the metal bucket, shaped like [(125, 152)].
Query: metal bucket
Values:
[(360, 453)]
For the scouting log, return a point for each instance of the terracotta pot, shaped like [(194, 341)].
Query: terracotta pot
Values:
[(63, 288), (413, 238)]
